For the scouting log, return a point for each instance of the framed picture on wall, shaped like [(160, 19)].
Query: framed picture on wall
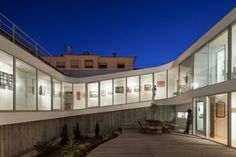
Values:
[(147, 87), (93, 94), (220, 109), (103, 93), (78, 95), (161, 83), (129, 89), (119, 89)]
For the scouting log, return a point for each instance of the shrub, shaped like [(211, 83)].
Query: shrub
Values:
[(97, 130), (76, 132), (64, 135), (71, 149)]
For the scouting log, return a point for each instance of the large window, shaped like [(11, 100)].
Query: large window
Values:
[(120, 91), (6, 81), (79, 96), (233, 52), (67, 96), (44, 91), (218, 49), (186, 75), (25, 86), (133, 89), (56, 95), (201, 68), (106, 93), (233, 119), (92, 94), (218, 118), (173, 81), (161, 85), (146, 87)]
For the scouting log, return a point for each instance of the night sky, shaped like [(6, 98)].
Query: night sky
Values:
[(156, 31)]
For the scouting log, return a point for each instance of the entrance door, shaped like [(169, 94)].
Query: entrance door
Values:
[(200, 117)]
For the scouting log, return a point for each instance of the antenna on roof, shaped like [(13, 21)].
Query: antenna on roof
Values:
[(69, 49)]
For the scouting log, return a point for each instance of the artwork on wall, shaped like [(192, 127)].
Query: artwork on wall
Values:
[(78, 95), (103, 93), (119, 89), (220, 109), (93, 94), (6, 81), (136, 88), (129, 89), (42, 90), (147, 87), (161, 84)]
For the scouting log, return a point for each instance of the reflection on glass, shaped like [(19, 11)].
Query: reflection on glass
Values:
[(106, 93), (146, 87), (67, 96), (119, 91), (79, 96), (56, 95), (233, 119), (218, 49), (173, 82), (133, 89), (44, 91), (160, 82), (92, 94), (6, 81), (25, 86)]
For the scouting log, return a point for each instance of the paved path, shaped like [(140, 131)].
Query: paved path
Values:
[(135, 144)]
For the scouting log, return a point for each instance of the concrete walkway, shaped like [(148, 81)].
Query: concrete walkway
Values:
[(135, 144)]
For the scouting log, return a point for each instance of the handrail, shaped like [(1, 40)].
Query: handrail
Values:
[(19, 36)]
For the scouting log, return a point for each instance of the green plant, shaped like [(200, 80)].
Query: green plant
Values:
[(64, 135), (97, 130), (76, 132), (71, 149), (154, 107)]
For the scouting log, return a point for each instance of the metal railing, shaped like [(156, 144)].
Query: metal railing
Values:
[(16, 35)]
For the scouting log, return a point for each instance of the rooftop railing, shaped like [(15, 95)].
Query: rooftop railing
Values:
[(16, 35)]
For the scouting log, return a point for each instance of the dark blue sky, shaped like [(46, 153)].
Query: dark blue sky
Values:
[(156, 31)]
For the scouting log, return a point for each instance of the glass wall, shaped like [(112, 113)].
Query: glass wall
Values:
[(6, 81), (120, 91), (25, 86), (133, 89), (79, 96), (218, 49), (106, 93), (186, 75), (146, 87), (57, 95), (218, 127), (201, 68), (173, 76), (44, 91), (161, 85), (233, 59), (92, 94), (67, 96), (233, 119)]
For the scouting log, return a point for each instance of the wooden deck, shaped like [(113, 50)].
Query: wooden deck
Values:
[(134, 144)]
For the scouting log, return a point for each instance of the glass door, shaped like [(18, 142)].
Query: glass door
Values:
[(200, 116)]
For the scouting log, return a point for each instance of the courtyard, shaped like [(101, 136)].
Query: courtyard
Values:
[(132, 143)]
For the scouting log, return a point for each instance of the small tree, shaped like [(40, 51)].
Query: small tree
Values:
[(64, 135), (154, 107), (97, 130), (76, 132)]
